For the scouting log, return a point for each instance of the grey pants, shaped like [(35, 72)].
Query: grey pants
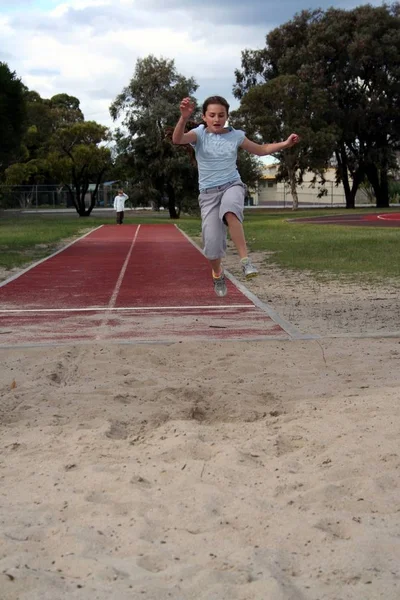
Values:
[(214, 204)]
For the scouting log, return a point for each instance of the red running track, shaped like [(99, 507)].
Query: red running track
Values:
[(360, 220), (131, 282)]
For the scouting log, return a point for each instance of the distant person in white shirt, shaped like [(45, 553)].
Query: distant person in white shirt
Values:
[(119, 205)]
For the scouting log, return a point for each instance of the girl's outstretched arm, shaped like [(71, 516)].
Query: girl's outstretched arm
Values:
[(265, 149)]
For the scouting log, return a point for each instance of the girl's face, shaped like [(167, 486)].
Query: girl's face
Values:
[(215, 118)]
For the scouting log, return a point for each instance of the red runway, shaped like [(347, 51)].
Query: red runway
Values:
[(138, 283)]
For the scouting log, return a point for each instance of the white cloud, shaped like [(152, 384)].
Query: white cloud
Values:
[(89, 48)]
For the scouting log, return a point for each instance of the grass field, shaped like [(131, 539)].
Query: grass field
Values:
[(366, 252)]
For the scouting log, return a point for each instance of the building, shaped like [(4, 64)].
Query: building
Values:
[(271, 193)]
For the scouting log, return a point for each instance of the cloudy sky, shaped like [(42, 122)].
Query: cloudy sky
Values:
[(89, 48)]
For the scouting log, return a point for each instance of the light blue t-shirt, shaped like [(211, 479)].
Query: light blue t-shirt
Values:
[(216, 155)]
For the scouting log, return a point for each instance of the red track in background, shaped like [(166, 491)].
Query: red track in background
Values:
[(360, 220), (139, 283)]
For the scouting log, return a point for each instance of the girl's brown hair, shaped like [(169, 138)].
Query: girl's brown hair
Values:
[(215, 100)]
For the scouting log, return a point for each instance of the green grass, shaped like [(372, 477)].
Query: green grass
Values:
[(27, 238), (370, 253)]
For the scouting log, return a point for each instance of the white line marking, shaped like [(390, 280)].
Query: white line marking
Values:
[(325, 220), (388, 217), (124, 308), (208, 340), (47, 257), (286, 326), (117, 288), (317, 220)]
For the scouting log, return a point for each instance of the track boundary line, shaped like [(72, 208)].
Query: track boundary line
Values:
[(286, 326), (360, 219), (172, 341), (387, 217), (327, 219), (39, 262), (290, 329), (125, 308)]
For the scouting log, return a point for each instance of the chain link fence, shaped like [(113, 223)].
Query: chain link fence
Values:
[(271, 193), (35, 197), (279, 194), (268, 194)]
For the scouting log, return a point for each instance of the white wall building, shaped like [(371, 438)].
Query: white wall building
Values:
[(269, 192)]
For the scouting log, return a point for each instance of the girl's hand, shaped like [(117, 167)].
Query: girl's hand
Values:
[(292, 140), (187, 107)]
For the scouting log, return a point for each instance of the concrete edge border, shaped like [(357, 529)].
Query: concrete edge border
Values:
[(286, 326), (171, 342)]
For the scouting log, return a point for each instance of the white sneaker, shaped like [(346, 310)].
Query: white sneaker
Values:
[(249, 270), (220, 285)]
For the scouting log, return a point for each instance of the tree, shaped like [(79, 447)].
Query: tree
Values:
[(12, 115), (250, 168), (273, 110), (77, 158), (65, 110), (150, 107), (58, 146), (376, 50), (354, 57), (357, 58), (23, 177), (45, 117), (39, 125)]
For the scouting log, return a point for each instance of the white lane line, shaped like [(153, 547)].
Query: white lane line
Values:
[(124, 308), (47, 257), (117, 288), (113, 299)]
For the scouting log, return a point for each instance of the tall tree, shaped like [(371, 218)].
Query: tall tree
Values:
[(12, 115), (357, 59), (75, 157), (354, 57), (273, 110), (45, 117), (78, 158), (65, 110), (59, 147), (150, 107)]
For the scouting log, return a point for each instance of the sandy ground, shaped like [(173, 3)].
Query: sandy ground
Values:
[(209, 471), (325, 305)]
